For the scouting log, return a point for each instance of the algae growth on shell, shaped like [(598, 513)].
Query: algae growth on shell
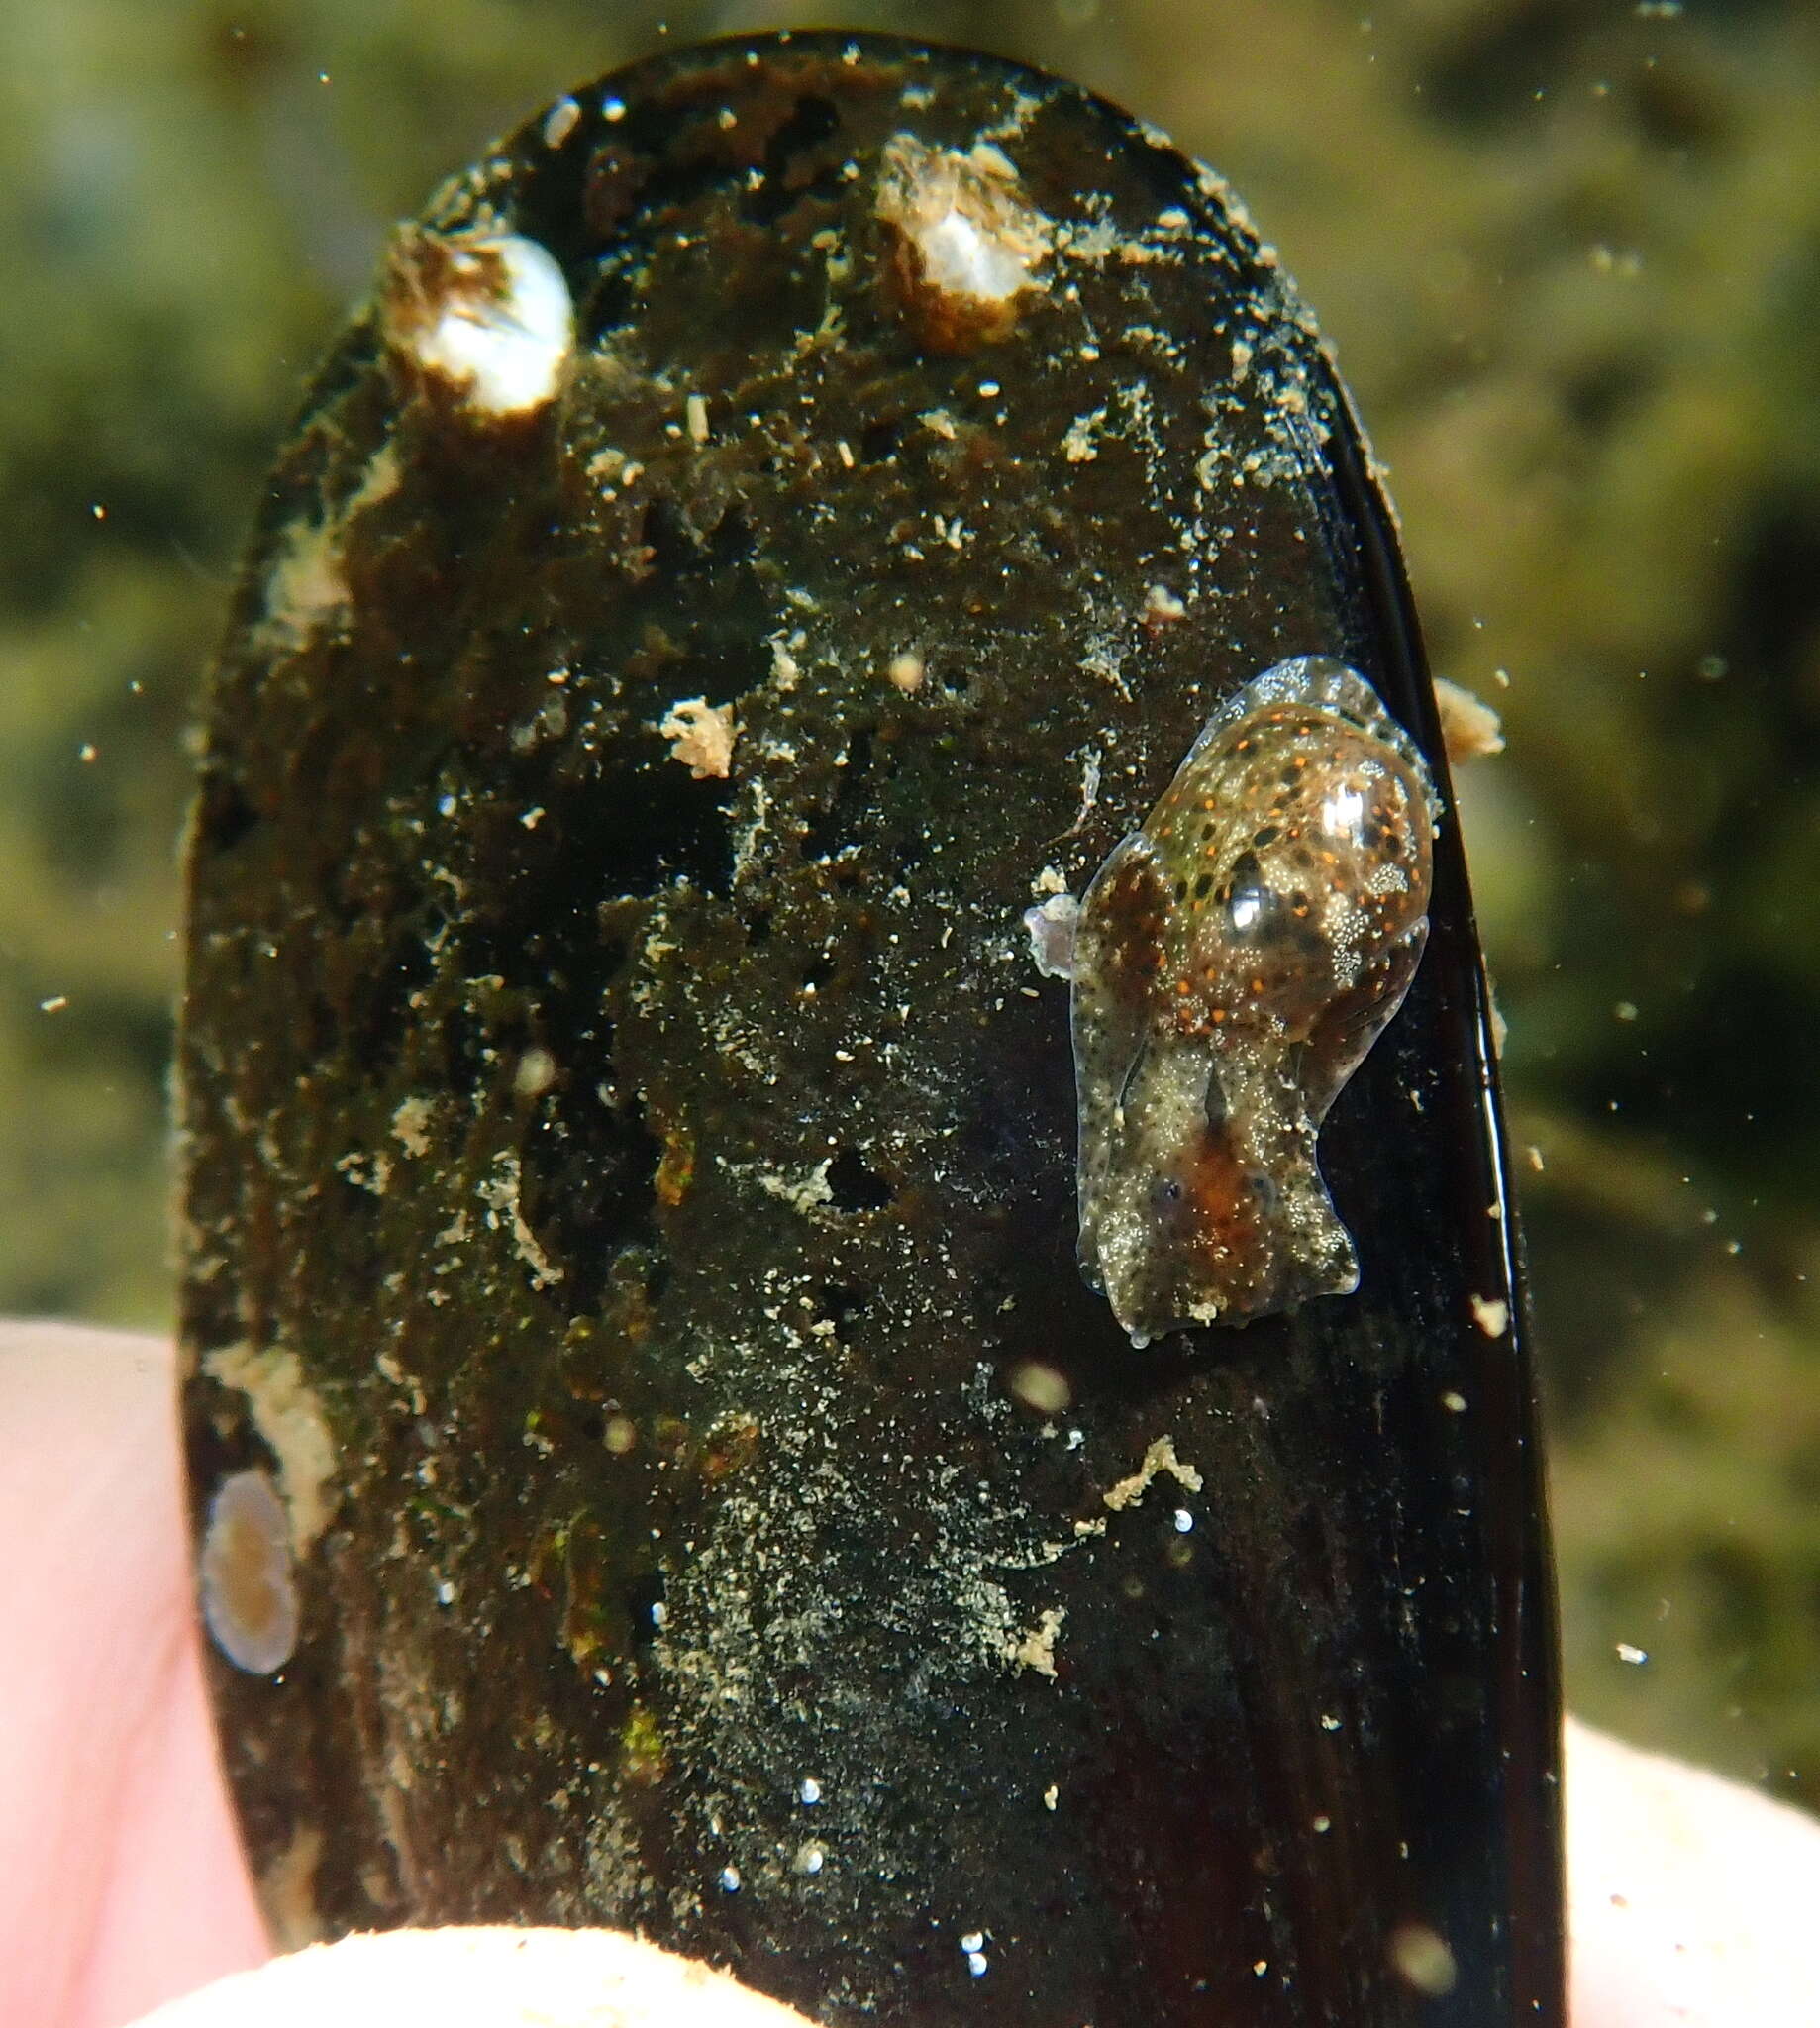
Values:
[(785, 512)]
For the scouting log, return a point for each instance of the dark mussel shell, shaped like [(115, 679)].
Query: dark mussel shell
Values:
[(629, 1201)]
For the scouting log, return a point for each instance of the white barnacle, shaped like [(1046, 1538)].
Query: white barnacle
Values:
[(485, 313), (965, 245), (248, 1577)]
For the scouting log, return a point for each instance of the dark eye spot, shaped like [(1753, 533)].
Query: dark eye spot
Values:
[(1165, 1192), (1263, 1190)]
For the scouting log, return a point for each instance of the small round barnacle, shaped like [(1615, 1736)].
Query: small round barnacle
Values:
[(484, 315), (247, 1575), (966, 247)]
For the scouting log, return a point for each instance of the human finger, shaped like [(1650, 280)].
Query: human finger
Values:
[(479, 1979), (121, 1875)]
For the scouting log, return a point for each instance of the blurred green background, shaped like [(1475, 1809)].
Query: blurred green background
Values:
[(1570, 255)]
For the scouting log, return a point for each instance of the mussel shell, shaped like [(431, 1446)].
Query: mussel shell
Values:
[(630, 1207)]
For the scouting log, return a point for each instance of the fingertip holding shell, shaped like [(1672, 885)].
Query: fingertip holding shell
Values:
[(247, 1575)]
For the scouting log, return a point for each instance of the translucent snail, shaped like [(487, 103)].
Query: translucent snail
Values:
[(1233, 961)]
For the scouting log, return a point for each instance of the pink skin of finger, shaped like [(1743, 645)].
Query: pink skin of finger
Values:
[(122, 1884), (121, 1877)]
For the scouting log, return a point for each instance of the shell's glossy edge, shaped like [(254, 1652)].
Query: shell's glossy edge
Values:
[(783, 512), (1234, 961)]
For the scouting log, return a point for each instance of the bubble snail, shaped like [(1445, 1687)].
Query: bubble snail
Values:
[(1233, 963)]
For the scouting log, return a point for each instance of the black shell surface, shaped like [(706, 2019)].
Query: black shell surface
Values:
[(630, 1197)]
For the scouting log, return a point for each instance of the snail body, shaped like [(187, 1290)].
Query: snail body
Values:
[(1235, 959)]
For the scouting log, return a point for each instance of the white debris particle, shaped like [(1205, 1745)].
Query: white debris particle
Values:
[(288, 1415), (487, 313), (1051, 1796), (695, 415), (1454, 1401), (1491, 1314), (305, 587), (410, 1126), (55, 1004), (1422, 1956), (1078, 445), (1106, 662), (365, 1172), (1089, 788), (1636, 1657), (1469, 729), (810, 1857), (730, 1880), (1159, 1459), (906, 672), (806, 1192), (974, 1940), (560, 121), (701, 737), (1040, 1386), (1035, 1648), (536, 1073), (500, 1194), (1161, 608), (809, 1790)]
